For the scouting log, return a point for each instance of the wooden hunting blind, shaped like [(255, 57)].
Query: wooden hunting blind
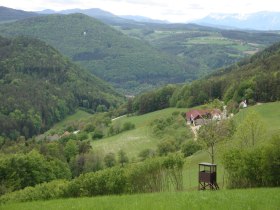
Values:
[(207, 176)]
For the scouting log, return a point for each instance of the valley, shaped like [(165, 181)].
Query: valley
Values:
[(144, 55), (93, 113)]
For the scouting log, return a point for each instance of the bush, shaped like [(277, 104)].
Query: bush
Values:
[(166, 146), (21, 170), (254, 167), (52, 190), (105, 182), (146, 153), (98, 134), (152, 175), (110, 160), (128, 126), (156, 174), (89, 127), (82, 136), (190, 147)]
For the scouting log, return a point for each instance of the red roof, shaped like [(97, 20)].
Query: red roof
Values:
[(195, 114)]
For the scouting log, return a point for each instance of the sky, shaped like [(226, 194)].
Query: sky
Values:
[(170, 10)]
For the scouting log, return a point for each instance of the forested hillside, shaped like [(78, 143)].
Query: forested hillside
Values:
[(204, 47), (38, 87), (126, 62), (255, 79)]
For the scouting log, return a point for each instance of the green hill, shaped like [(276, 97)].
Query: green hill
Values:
[(127, 63), (204, 47), (38, 87), (256, 79)]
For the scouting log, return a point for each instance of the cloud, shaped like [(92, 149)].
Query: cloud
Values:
[(195, 6), (172, 10), (147, 2)]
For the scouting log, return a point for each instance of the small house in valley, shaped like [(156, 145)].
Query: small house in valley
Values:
[(201, 117)]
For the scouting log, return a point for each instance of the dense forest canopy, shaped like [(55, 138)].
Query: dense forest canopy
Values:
[(126, 62), (38, 87)]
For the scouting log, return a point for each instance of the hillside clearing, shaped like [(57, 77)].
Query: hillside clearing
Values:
[(136, 140)]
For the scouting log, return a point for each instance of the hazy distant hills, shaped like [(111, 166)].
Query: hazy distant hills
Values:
[(138, 18), (256, 21), (102, 15), (105, 16), (8, 14), (126, 62)]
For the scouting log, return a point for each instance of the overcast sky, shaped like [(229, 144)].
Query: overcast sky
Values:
[(171, 10)]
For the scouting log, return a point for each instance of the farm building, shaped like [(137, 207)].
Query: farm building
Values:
[(200, 117)]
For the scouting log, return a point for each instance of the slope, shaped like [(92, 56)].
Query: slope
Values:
[(8, 14), (256, 79), (126, 62), (38, 87), (205, 48)]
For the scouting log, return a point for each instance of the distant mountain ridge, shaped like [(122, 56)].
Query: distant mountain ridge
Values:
[(138, 18), (255, 21), (8, 14), (97, 13)]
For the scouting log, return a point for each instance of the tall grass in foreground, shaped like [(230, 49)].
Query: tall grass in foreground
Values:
[(261, 198)]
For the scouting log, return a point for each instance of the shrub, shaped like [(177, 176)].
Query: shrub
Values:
[(98, 134), (255, 166), (122, 158), (190, 147), (156, 174), (82, 136), (52, 190), (22, 170), (128, 126), (105, 182), (89, 127), (110, 160), (152, 175), (146, 153), (166, 147)]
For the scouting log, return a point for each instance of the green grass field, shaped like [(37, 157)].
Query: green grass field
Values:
[(269, 112), (140, 138), (132, 142), (75, 118), (136, 140), (255, 199)]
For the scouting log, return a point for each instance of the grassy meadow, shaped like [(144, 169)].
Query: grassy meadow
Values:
[(136, 140), (140, 138), (261, 198), (269, 113)]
